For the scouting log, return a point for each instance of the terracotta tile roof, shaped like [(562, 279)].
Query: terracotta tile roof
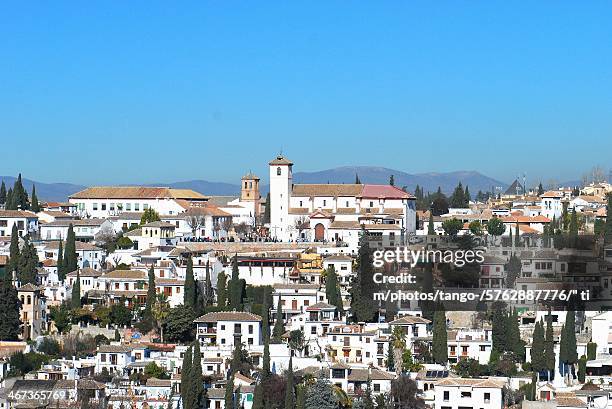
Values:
[(330, 190), (85, 272), (137, 192), (384, 191), (126, 275), (228, 316), (11, 214), (208, 210), (320, 306), (409, 320), (159, 383), (552, 193), (159, 224), (115, 349), (363, 375), (280, 160), (80, 246), (474, 383), (80, 222), (382, 226)]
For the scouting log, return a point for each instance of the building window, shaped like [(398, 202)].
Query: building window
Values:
[(137, 207), (487, 397), (95, 206), (278, 171), (103, 206), (446, 396)]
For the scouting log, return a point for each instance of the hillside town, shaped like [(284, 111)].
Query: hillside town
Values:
[(157, 297)]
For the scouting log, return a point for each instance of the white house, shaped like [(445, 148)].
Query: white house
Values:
[(84, 229), (104, 201), (455, 393), (88, 254), (26, 221), (551, 203), (224, 328)]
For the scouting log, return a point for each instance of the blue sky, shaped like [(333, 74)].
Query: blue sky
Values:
[(152, 92)]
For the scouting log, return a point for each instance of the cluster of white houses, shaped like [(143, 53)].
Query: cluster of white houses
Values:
[(315, 227)]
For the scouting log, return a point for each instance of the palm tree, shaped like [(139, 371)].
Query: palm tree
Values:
[(398, 341), (160, 310)]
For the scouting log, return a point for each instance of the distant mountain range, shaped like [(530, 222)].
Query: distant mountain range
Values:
[(345, 174)]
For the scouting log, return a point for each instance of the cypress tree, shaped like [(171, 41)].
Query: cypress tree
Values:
[(189, 293), (258, 402), (549, 347), (208, 289), (582, 368), (10, 322), (332, 290), (608, 226), (265, 329), (279, 327), (390, 358), (61, 271), (362, 290), (76, 291), (515, 343), (290, 388), (2, 193), (391, 180), (18, 196), (27, 263), (267, 209), (186, 390), (568, 339), (197, 388), (14, 250), (591, 351), (467, 197), (573, 227), (540, 189), (235, 287), (117, 335), (440, 337), (517, 237), (499, 328), (357, 180), (430, 227), (538, 363), (221, 290), (300, 397), (229, 393), (151, 296), (70, 254), (8, 204), (34, 205)]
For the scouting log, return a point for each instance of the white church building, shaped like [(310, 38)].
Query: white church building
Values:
[(337, 212)]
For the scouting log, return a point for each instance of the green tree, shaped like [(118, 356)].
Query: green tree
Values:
[(591, 351), (265, 329), (195, 374), (607, 230), (186, 377), (499, 327), (573, 225), (496, 227), (70, 252), (517, 236), (34, 205), (538, 362), (475, 228), (440, 337), (189, 292), (209, 293), (430, 226), (27, 264), (10, 322), (458, 199), (568, 353), (452, 226), (357, 180), (2, 193), (178, 325), (332, 289), (540, 189), (321, 395), (61, 271), (76, 291), (279, 326), (229, 393), (362, 290), (60, 315), (266, 218), (14, 250), (290, 388), (221, 290), (17, 198), (236, 287), (391, 180), (151, 294), (582, 363), (549, 347), (513, 270), (149, 216)]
